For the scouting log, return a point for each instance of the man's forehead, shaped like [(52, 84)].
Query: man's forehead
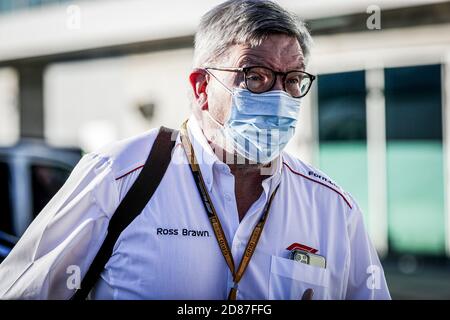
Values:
[(276, 50), (256, 57), (252, 57)]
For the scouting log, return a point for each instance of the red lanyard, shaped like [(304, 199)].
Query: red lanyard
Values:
[(215, 222)]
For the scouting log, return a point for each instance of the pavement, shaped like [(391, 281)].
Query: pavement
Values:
[(418, 279)]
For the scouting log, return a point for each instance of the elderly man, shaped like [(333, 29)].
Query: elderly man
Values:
[(232, 216)]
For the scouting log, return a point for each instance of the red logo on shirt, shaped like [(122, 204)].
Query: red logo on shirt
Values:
[(298, 246)]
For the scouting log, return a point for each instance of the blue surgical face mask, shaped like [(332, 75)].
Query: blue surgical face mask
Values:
[(260, 124)]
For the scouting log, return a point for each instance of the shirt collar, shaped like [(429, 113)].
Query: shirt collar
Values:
[(208, 160), (203, 152)]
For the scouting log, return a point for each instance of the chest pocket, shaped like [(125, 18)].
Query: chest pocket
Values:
[(289, 279)]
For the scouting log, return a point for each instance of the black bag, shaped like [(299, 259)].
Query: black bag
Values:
[(132, 205)]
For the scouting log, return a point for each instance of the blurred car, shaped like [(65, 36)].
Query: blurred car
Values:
[(31, 172)]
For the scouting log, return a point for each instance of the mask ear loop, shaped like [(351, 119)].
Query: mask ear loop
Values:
[(223, 84), (226, 88), (215, 121)]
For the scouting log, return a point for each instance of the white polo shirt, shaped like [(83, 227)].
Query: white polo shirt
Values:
[(170, 252)]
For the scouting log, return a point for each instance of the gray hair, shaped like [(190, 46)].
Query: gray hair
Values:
[(245, 22)]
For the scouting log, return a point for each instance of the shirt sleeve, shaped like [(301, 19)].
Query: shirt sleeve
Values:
[(366, 280), (62, 241)]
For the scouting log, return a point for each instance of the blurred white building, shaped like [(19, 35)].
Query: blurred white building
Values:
[(83, 73)]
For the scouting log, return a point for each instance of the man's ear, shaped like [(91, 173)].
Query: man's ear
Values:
[(199, 81)]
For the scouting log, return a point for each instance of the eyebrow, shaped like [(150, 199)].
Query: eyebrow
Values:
[(261, 62)]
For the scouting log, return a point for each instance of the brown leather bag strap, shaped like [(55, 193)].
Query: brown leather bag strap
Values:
[(132, 205)]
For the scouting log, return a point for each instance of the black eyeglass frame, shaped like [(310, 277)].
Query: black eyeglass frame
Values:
[(245, 70)]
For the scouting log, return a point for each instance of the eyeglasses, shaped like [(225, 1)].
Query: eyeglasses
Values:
[(259, 79)]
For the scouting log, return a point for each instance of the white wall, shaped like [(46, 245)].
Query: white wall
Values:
[(90, 103), (89, 24), (9, 115)]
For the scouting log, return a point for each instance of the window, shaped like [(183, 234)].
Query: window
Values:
[(342, 132), (6, 224), (46, 181), (342, 107), (415, 159), (13, 5)]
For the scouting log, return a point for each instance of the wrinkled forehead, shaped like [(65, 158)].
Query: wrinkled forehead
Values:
[(276, 51)]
